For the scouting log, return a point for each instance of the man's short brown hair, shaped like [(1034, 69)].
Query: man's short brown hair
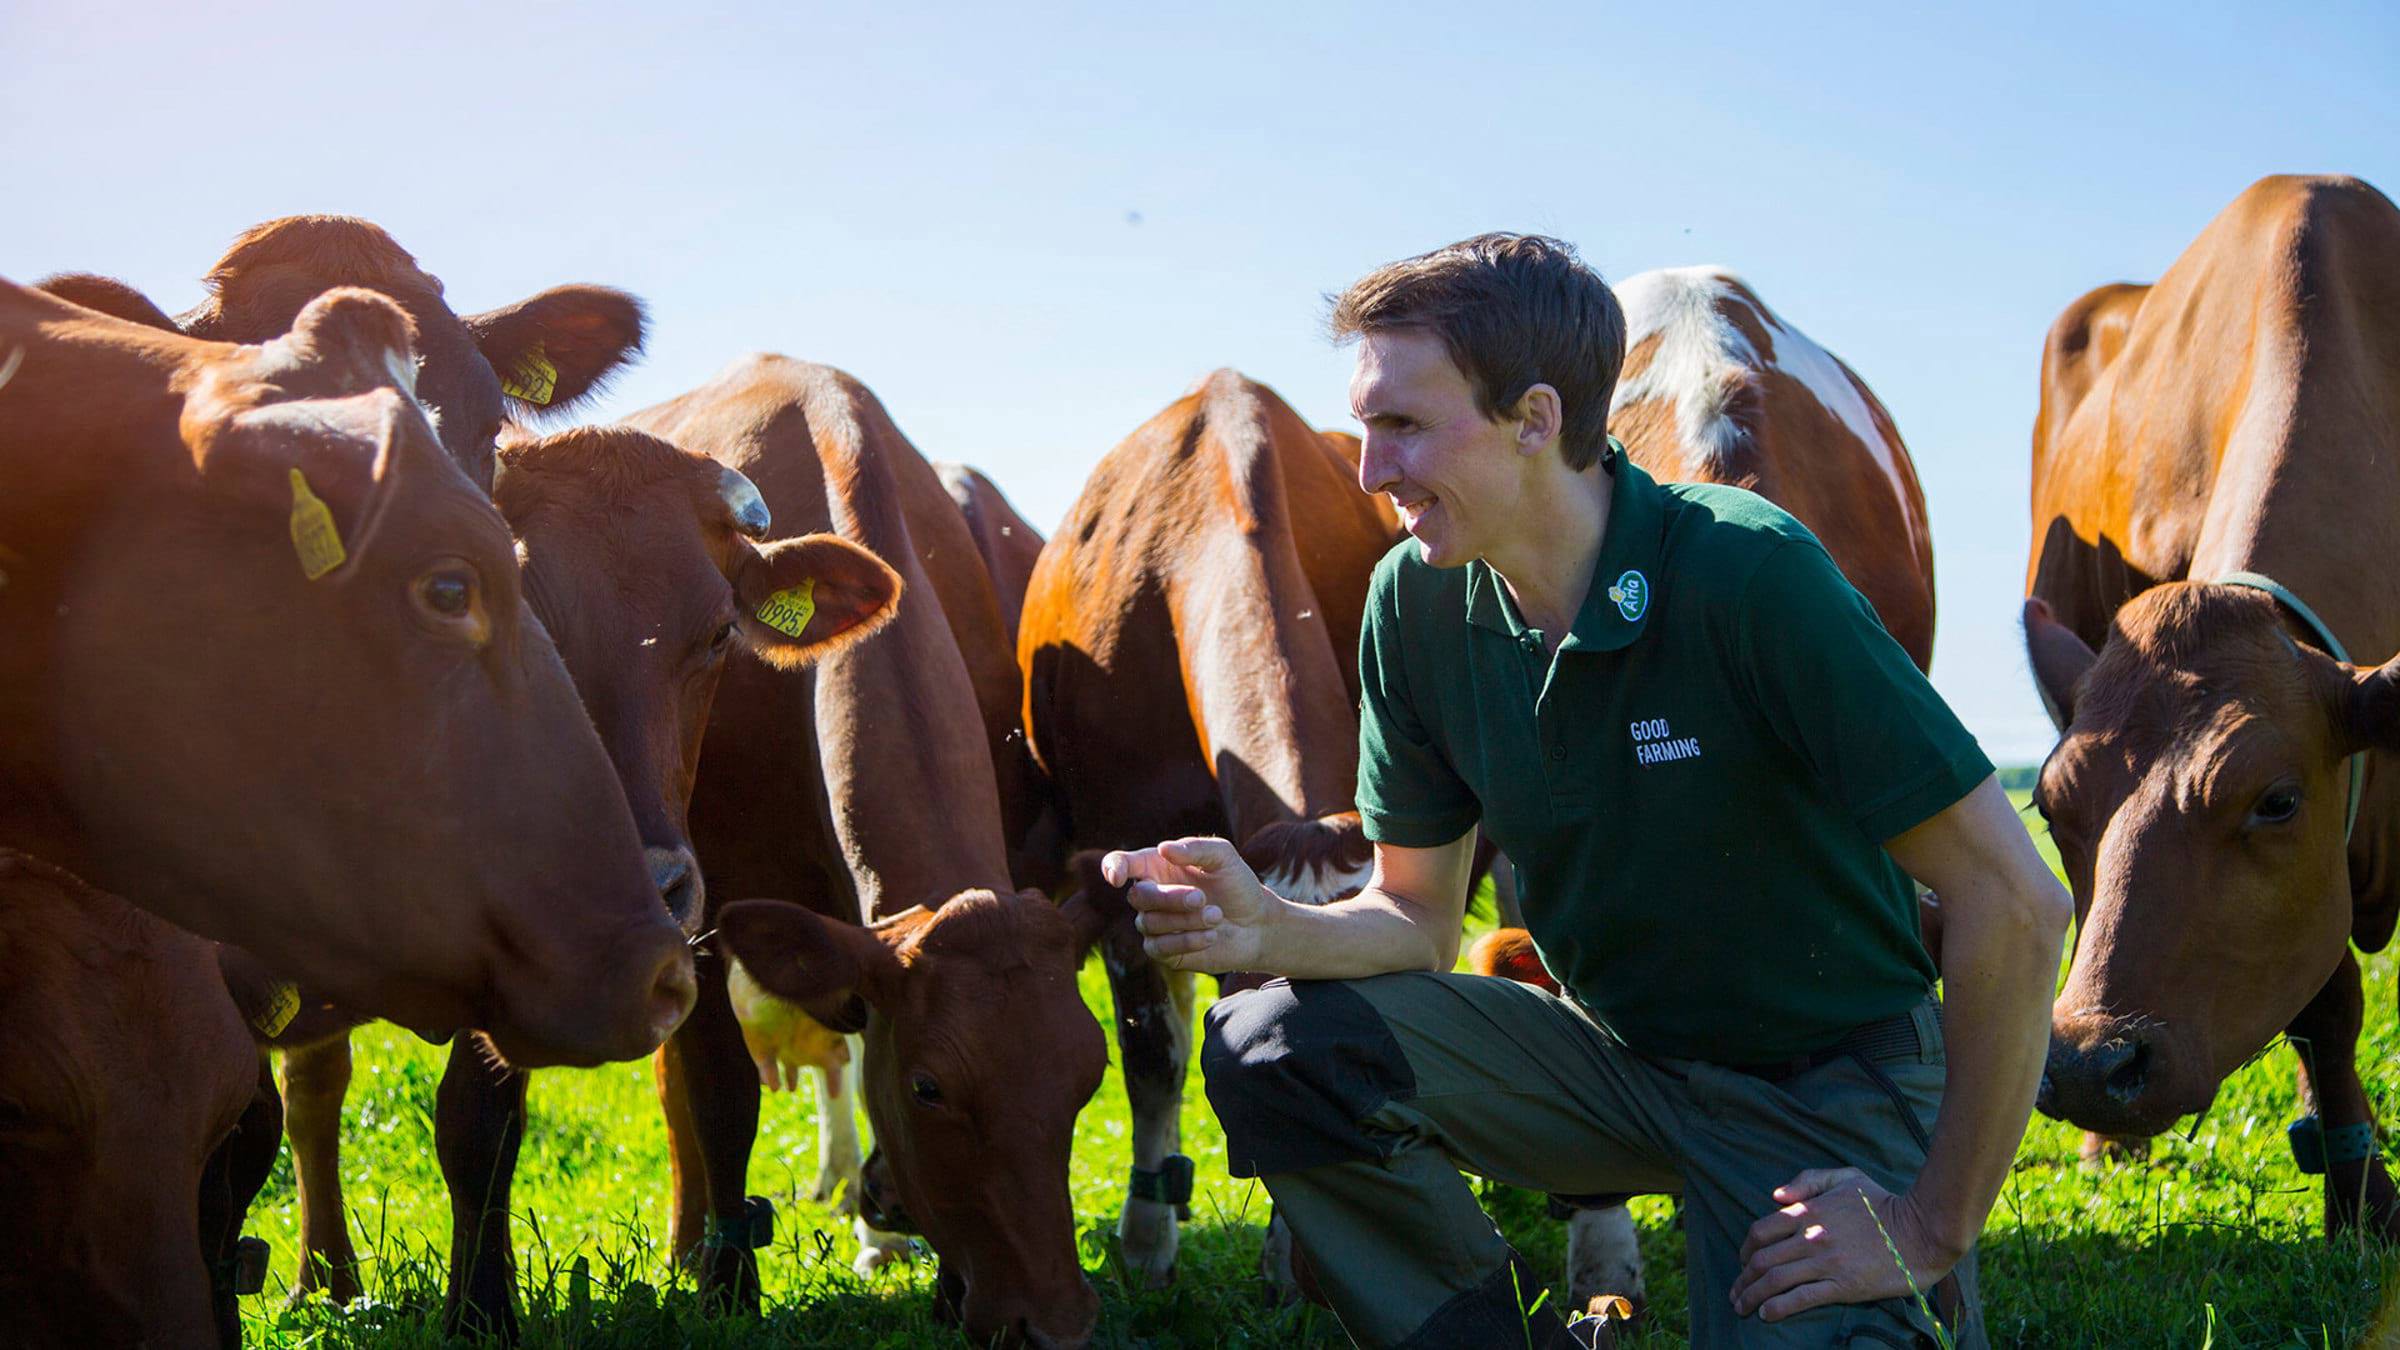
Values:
[(1515, 310)]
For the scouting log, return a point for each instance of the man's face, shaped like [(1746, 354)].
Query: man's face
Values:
[(1453, 474)]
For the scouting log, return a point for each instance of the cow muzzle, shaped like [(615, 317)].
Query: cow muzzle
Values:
[(2118, 1078)]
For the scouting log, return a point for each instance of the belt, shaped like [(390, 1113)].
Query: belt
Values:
[(1893, 1037)]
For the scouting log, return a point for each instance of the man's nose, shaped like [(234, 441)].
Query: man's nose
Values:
[(1374, 471)]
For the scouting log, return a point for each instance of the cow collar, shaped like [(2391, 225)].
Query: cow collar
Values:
[(2259, 581)]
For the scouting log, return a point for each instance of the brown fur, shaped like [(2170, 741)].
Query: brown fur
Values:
[(124, 1068), (2236, 415), (392, 862)]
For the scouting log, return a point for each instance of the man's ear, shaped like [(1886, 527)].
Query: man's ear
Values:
[(559, 346), (1094, 906), (2059, 660), (1540, 417), (802, 599), (830, 968)]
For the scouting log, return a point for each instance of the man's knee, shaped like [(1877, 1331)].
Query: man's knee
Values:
[(1292, 1070)]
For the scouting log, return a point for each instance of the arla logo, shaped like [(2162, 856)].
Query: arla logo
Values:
[(1631, 595)]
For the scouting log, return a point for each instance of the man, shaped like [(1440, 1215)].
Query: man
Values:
[(1716, 774)]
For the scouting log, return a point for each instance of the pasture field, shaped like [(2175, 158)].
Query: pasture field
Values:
[(2214, 1240)]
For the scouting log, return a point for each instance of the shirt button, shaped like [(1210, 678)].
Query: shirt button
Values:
[(1558, 752)]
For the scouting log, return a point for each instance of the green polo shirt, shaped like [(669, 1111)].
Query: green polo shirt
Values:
[(1695, 790)]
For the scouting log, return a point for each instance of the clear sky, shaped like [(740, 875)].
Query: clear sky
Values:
[(1028, 228)]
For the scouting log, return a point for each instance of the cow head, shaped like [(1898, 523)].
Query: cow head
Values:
[(979, 1053), (2198, 799), (299, 703), (542, 354), (123, 1068), (641, 561)]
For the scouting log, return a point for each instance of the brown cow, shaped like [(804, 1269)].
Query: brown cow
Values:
[(638, 559), (378, 779), (1717, 389), (864, 788), (541, 354), (1009, 546), (2237, 417), (124, 1070), (1189, 644)]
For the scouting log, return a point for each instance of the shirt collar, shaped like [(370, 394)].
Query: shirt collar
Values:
[(1624, 583)]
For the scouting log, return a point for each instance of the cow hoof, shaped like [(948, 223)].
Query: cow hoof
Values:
[(1146, 1236), (1604, 1257), (1606, 1322), (1277, 1264), (878, 1249), (823, 1192)]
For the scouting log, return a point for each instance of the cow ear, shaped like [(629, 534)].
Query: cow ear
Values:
[(2059, 660), (828, 967), (559, 346), (802, 599), (1094, 906), (2371, 715)]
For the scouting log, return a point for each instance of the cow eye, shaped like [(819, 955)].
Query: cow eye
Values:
[(2280, 804), (449, 594), (448, 599), (722, 640), (925, 1090)]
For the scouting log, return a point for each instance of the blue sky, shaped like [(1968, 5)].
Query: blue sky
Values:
[(1028, 228)]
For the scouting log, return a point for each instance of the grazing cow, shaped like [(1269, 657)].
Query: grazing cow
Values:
[(864, 789), (1717, 389), (541, 354), (638, 558), (1189, 645), (2214, 484), (266, 671), (124, 1071)]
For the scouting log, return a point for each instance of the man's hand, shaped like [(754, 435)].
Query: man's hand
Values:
[(1197, 904), (1828, 1245)]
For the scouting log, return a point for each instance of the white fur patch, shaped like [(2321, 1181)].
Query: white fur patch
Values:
[(1604, 1256), (1318, 884), (1699, 352)]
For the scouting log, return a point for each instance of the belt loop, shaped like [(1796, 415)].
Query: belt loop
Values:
[(1928, 1016)]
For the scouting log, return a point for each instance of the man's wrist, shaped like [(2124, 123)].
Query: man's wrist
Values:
[(1942, 1238)]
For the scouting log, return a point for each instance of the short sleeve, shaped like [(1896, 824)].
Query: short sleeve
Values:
[(1837, 690), (1409, 795)]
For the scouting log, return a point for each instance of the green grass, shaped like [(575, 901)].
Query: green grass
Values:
[(2214, 1240)]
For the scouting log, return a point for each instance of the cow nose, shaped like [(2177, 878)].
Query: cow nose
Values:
[(676, 873), (2045, 1097), (672, 993)]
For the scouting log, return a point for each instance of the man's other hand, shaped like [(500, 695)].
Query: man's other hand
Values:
[(1838, 1238)]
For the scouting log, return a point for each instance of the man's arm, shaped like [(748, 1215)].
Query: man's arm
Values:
[(2005, 917), (1200, 907)]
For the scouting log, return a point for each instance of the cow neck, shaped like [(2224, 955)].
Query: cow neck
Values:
[(2259, 581)]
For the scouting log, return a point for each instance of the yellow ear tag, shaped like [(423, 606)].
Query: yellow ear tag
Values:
[(534, 380), (283, 1004), (314, 536), (788, 611)]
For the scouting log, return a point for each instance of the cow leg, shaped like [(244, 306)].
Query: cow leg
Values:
[(689, 1213), (720, 1094), (231, 1180), (315, 1080), (478, 1123), (1154, 1044), (2358, 1192), (1604, 1256), (838, 1155)]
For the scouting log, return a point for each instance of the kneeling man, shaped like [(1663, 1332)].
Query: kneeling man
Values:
[(1716, 774)]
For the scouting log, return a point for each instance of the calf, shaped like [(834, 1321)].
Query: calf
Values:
[(124, 1073), (640, 560), (267, 671)]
